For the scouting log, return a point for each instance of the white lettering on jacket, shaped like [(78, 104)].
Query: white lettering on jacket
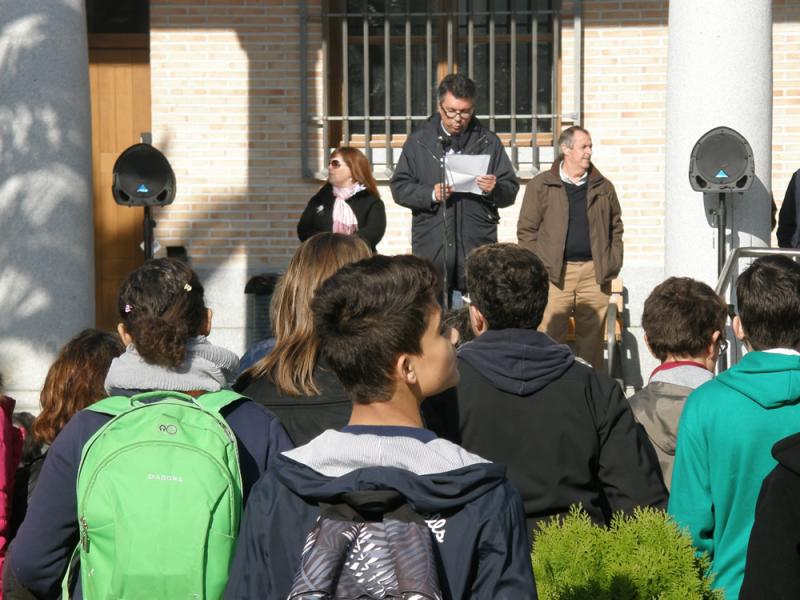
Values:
[(436, 524)]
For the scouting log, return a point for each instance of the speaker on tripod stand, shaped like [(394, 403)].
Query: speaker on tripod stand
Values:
[(142, 176)]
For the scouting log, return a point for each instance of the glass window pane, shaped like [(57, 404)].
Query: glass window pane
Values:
[(119, 16)]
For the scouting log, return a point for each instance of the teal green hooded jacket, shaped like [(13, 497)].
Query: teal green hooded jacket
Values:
[(725, 437)]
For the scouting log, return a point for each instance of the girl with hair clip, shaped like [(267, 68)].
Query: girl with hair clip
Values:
[(348, 203), (73, 382), (164, 324), (291, 381)]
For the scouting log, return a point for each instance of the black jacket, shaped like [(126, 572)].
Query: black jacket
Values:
[(471, 218), (564, 430), (318, 215), (303, 417), (788, 232), (475, 515), (773, 555)]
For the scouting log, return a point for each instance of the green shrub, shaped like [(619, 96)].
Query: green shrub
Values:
[(639, 557)]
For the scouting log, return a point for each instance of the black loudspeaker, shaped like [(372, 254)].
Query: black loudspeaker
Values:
[(721, 161), (143, 177)]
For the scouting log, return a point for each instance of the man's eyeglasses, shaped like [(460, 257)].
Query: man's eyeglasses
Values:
[(335, 163), (452, 114)]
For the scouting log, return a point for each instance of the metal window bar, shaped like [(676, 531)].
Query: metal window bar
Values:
[(532, 14), (491, 72), (535, 85), (554, 75), (471, 40), (367, 131), (578, 29), (449, 43), (325, 79), (408, 72), (345, 87), (387, 98), (513, 98), (429, 60)]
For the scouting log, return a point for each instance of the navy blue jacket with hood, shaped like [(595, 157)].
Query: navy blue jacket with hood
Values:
[(564, 430), (474, 514), (46, 539)]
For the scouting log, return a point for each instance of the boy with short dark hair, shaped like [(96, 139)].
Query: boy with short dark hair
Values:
[(729, 424), (379, 327), (564, 430), (683, 321)]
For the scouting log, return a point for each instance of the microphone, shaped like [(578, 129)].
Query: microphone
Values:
[(445, 142)]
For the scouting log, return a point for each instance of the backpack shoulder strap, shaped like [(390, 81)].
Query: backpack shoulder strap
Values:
[(117, 405), (113, 405), (216, 401)]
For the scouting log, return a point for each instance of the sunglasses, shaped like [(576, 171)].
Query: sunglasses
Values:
[(335, 163)]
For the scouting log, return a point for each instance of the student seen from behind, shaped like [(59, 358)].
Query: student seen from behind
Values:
[(563, 429), (74, 381), (379, 328), (729, 425), (683, 323), (164, 322), (292, 380)]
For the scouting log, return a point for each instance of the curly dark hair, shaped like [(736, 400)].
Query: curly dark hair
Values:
[(161, 305), (508, 284)]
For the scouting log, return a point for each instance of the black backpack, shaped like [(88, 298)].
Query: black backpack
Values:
[(370, 545)]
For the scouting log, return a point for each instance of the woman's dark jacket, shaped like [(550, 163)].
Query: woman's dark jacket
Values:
[(773, 555), (318, 215), (303, 417)]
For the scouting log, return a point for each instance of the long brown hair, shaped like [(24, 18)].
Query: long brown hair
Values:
[(359, 168), (75, 380), (290, 365)]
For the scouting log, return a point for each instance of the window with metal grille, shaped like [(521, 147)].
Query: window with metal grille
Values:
[(382, 60)]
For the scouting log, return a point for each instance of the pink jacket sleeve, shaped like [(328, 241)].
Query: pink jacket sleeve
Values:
[(10, 454)]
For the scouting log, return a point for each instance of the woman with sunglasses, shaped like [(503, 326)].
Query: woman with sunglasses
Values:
[(348, 203)]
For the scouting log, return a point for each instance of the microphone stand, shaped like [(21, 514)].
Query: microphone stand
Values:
[(444, 142)]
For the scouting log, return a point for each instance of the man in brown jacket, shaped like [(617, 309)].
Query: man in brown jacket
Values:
[(571, 219)]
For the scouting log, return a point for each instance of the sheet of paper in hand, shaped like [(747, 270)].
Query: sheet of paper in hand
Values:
[(462, 169)]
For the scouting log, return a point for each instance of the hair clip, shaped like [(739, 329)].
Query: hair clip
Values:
[(187, 287), (128, 308)]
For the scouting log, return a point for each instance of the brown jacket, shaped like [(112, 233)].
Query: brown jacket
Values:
[(543, 218)]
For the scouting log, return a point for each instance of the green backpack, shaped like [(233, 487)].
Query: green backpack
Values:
[(159, 498)]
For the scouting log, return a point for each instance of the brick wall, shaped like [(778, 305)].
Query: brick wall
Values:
[(785, 94), (226, 109)]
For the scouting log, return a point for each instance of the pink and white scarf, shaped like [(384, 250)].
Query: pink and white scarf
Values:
[(344, 219)]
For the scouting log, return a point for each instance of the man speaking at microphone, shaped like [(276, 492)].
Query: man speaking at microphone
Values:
[(464, 220)]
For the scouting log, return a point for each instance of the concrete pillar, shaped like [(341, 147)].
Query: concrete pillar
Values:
[(46, 228), (719, 73)]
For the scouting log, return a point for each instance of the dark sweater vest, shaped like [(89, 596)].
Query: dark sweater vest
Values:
[(578, 246)]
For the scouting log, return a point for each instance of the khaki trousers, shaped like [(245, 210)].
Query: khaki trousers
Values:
[(582, 296)]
